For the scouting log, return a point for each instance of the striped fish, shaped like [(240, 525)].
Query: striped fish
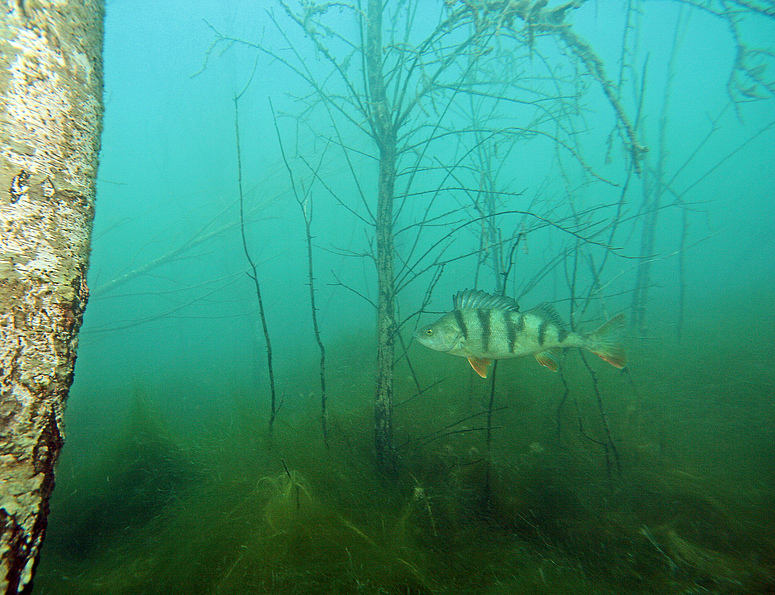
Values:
[(484, 327)]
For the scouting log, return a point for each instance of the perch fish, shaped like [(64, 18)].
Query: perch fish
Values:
[(484, 327)]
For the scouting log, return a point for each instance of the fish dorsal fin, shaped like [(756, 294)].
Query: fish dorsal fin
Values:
[(476, 298), (546, 310)]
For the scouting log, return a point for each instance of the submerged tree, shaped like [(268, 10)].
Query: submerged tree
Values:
[(750, 80), (391, 74), (51, 113), (253, 273)]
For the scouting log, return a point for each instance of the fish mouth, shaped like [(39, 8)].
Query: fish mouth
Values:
[(419, 337), (424, 339), (418, 334)]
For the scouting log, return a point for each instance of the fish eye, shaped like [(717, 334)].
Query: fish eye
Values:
[(429, 331)]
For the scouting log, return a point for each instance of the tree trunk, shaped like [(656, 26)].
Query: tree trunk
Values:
[(383, 128), (386, 325), (651, 203), (50, 122)]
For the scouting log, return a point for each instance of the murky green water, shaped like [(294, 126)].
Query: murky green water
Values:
[(210, 503)]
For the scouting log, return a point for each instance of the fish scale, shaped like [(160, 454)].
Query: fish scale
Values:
[(483, 327)]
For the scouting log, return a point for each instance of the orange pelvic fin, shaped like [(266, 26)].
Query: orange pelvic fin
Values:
[(479, 365), (616, 358), (546, 358)]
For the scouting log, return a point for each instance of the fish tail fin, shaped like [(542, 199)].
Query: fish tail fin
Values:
[(605, 342)]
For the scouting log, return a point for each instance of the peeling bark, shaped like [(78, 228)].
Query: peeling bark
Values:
[(50, 123)]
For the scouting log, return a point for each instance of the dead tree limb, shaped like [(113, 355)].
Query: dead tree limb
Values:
[(305, 204), (253, 273)]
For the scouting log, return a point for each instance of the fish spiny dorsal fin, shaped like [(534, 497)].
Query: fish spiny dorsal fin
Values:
[(476, 298), (547, 311)]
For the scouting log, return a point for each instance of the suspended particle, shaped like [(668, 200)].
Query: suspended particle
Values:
[(19, 186), (48, 188)]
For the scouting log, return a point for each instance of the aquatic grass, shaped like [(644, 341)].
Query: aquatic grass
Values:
[(219, 506), (273, 534), (143, 469), (277, 537)]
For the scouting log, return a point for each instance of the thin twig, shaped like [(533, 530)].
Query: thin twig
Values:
[(254, 274), (306, 211)]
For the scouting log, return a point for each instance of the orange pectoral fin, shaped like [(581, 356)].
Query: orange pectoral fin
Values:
[(546, 358), (479, 365)]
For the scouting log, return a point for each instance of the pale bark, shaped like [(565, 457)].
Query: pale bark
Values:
[(50, 121)]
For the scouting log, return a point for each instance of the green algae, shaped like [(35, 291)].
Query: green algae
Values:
[(217, 505)]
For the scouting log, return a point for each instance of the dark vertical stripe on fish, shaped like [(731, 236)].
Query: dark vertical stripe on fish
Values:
[(484, 323), (511, 330), (542, 331), (562, 334), (461, 323), (520, 324)]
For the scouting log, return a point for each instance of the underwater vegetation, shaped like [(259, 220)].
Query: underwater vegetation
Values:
[(214, 504)]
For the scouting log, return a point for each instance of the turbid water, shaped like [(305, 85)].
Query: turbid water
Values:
[(212, 504), (518, 136)]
